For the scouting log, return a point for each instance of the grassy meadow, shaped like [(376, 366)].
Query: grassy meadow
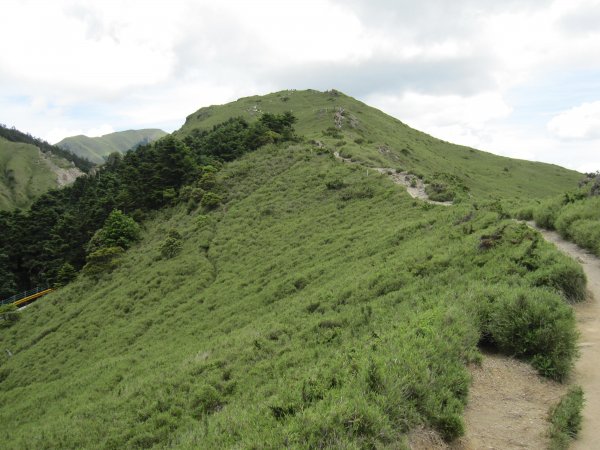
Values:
[(318, 306)]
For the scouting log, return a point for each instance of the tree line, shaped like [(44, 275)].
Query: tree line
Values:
[(39, 246)]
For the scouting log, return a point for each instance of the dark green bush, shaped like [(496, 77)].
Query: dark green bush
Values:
[(210, 200), (119, 230), (172, 245), (102, 261), (65, 275)]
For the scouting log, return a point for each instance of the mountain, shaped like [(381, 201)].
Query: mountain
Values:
[(279, 290), (373, 138), (26, 173), (96, 149)]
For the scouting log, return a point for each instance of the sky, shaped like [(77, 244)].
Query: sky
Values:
[(519, 78)]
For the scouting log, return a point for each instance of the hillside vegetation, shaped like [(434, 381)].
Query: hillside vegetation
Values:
[(278, 298), (14, 135), (372, 137), (96, 149), (26, 173), (575, 214)]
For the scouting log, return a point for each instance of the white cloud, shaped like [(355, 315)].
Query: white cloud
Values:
[(461, 119), (450, 68), (580, 122)]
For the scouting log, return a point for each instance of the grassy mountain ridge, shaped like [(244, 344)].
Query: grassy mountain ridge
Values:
[(378, 140), (26, 173), (14, 135), (318, 305), (96, 149)]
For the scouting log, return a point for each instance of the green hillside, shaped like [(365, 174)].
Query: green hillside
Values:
[(96, 149), (376, 139), (25, 174), (277, 296)]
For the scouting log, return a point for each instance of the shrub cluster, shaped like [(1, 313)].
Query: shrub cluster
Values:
[(576, 216), (533, 324)]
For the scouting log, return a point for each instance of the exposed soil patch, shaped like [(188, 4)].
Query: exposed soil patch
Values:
[(64, 177), (508, 406), (508, 409)]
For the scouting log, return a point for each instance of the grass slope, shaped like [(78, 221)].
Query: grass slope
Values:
[(376, 139), (97, 148), (303, 313), (24, 174)]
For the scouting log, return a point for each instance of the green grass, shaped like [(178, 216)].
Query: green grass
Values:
[(565, 419), (376, 139), (96, 149), (574, 215), (24, 175), (317, 307)]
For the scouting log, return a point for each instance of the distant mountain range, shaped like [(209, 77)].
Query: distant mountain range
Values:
[(96, 149)]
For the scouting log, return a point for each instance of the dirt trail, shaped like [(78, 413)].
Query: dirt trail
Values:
[(587, 368), (508, 406), (508, 409), (414, 185), (509, 403)]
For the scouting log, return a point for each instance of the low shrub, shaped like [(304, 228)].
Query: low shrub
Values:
[(8, 315), (565, 276), (334, 184), (172, 245), (102, 261), (357, 192), (525, 213), (533, 324), (545, 214), (205, 400), (210, 200), (586, 234), (587, 209), (439, 192), (565, 419)]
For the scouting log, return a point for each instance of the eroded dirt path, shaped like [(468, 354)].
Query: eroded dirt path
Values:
[(587, 368), (508, 406), (414, 185), (508, 409)]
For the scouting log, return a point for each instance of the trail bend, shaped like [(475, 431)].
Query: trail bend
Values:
[(414, 185)]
